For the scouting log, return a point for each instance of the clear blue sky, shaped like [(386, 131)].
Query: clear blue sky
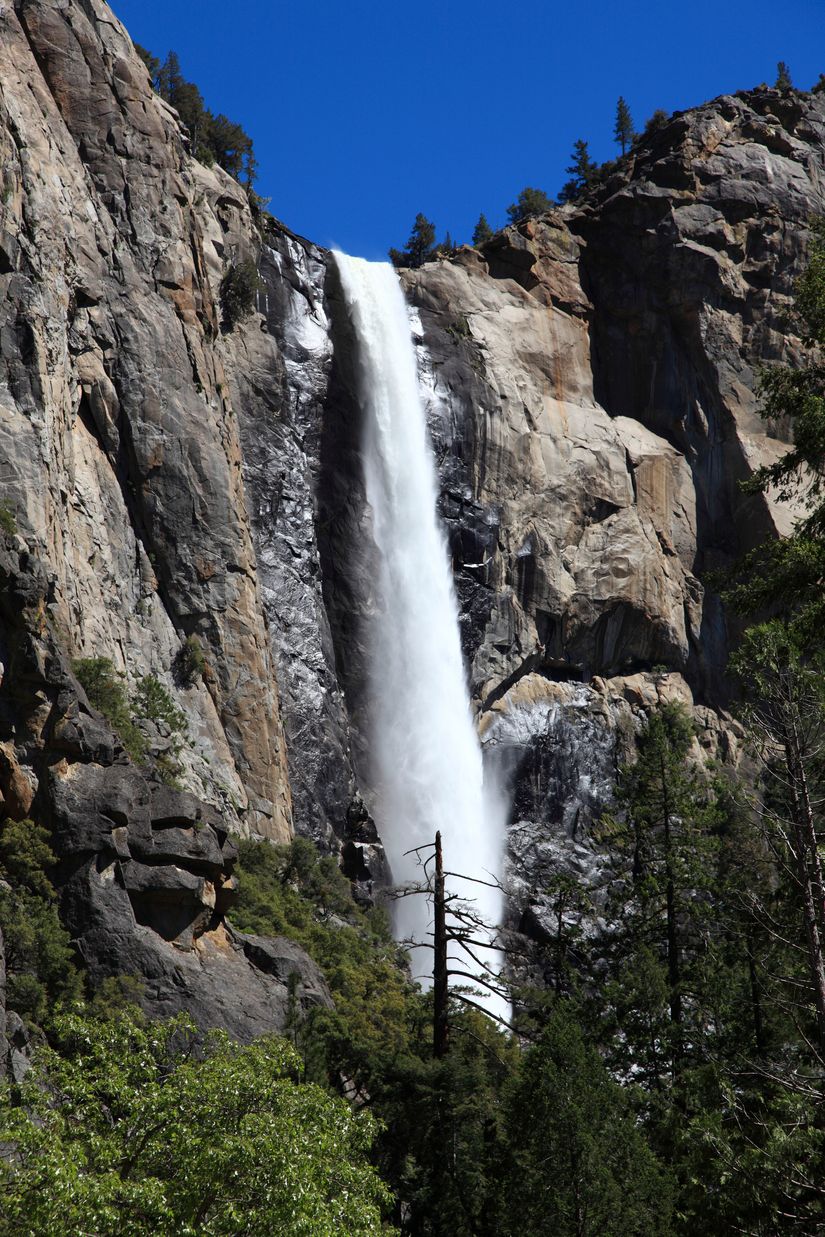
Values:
[(364, 112)]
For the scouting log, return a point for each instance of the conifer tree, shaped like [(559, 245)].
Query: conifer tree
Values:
[(786, 718), (420, 247), (783, 76), (623, 130), (576, 1163), (482, 232), (583, 171), (665, 851), (152, 63), (530, 202)]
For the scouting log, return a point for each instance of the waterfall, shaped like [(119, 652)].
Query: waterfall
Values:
[(427, 761)]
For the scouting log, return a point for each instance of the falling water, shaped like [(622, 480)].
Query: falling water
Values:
[(427, 758)]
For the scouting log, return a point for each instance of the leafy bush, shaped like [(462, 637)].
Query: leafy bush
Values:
[(296, 892), (151, 701), (104, 688), (39, 958), (238, 288), (128, 1129), (7, 521), (190, 662)]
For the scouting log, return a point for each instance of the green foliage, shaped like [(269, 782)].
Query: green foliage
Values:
[(214, 138), (238, 288), (624, 131), (106, 692), (665, 845), (482, 232), (421, 246), (296, 892), (7, 521), (531, 202), (657, 121), (152, 62), (577, 1165), (141, 1128), (583, 171), (231, 147), (460, 329), (39, 959), (151, 701), (440, 1137), (783, 76), (190, 662)]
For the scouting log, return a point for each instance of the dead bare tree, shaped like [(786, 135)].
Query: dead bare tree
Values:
[(455, 922)]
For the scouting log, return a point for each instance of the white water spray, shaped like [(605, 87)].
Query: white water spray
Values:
[(427, 758)]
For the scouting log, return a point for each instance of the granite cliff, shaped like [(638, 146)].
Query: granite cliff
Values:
[(590, 377)]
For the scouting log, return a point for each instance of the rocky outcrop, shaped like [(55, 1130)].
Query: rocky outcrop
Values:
[(145, 871), (558, 747)]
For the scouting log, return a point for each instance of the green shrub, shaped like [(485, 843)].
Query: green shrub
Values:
[(7, 521), (39, 958), (153, 702), (296, 892), (238, 288), (105, 690), (191, 661)]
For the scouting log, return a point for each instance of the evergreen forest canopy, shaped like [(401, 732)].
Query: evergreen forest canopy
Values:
[(665, 1071)]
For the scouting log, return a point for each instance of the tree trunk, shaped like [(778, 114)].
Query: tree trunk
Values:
[(441, 1025)]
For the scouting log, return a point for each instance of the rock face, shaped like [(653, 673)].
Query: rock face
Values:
[(145, 871), (121, 455), (590, 382)]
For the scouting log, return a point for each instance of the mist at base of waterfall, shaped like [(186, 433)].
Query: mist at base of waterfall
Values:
[(427, 770)]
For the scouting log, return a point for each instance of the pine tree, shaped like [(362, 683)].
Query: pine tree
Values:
[(152, 63), (576, 1164), (583, 170), (786, 717), (665, 852), (530, 202), (623, 131), (420, 247), (482, 232), (783, 76), (170, 78)]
